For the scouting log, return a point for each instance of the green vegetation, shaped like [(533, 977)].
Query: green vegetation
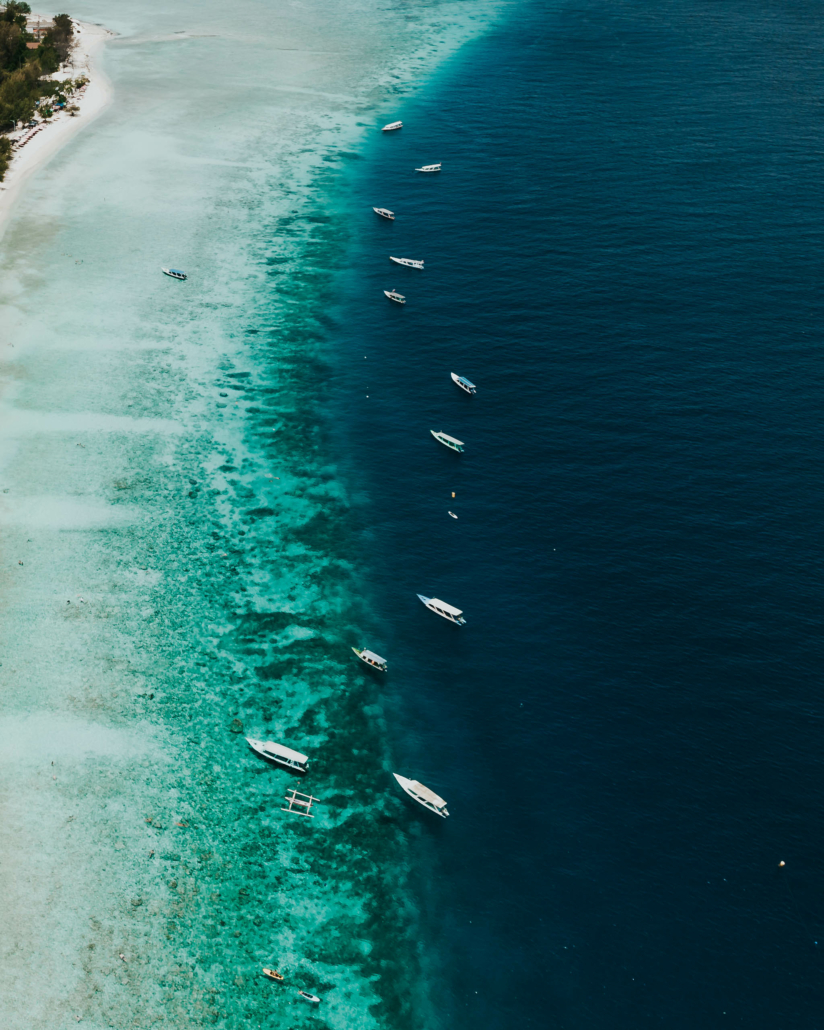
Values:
[(24, 63)]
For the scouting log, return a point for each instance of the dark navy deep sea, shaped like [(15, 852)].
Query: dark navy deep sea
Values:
[(623, 251)]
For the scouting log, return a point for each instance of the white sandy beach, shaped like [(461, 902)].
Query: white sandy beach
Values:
[(61, 126)]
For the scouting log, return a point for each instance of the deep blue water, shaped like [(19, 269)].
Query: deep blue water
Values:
[(624, 253)]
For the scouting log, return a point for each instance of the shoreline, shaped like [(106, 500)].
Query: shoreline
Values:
[(62, 126), (174, 622)]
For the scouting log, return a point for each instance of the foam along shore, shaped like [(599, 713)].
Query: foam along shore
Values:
[(52, 133)]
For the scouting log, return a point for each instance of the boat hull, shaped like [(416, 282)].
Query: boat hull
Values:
[(453, 445), (463, 384), (457, 620), (409, 788), (280, 763), (407, 262), (372, 665)]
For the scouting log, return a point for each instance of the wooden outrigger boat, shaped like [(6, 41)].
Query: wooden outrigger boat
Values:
[(273, 974), (371, 659), (298, 804)]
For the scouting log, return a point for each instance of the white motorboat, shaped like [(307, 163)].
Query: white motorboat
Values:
[(394, 295), (384, 212), (429, 168), (423, 795), (448, 441), (175, 273), (407, 262), (446, 611), (463, 382), (285, 756), (372, 659), (313, 999), (392, 126)]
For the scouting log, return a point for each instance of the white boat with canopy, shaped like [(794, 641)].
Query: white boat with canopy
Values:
[(384, 212), (407, 262), (463, 382), (448, 441), (394, 295), (175, 273), (429, 168), (284, 756), (446, 611), (392, 126), (372, 659), (423, 795)]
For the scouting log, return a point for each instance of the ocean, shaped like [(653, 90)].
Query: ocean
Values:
[(622, 252), (212, 490)]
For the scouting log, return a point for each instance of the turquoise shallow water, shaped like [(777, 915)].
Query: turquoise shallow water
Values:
[(177, 567)]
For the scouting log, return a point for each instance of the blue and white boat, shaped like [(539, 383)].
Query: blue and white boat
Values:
[(175, 273), (448, 441), (446, 611), (463, 382)]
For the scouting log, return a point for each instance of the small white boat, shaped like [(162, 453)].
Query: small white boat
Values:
[(446, 611), (285, 756), (448, 441), (313, 999), (394, 295), (463, 382), (175, 273), (371, 658), (423, 795), (384, 212), (452, 513), (392, 126), (429, 168), (407, 262)]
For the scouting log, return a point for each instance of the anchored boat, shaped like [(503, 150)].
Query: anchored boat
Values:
[(392, 126), (446, 611), (371, 658), (407, 262), (175, 273), (384, 212), (394, 295), (313, 999), (463, 382), (273, 974), (448, 441), (423, 795), (429, 168), (284, 756)]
